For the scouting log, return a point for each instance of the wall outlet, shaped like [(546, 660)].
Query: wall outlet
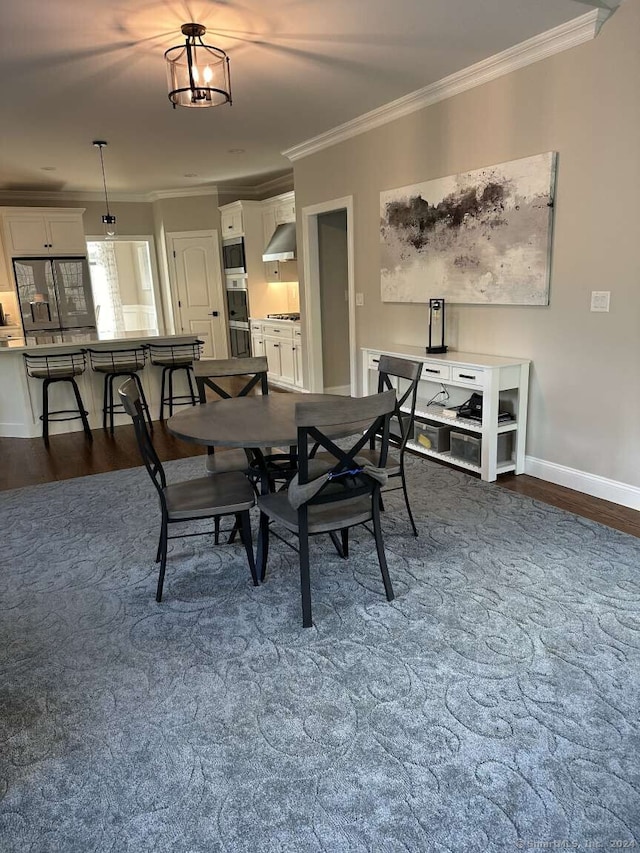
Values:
[(360, 299), (600, 300)]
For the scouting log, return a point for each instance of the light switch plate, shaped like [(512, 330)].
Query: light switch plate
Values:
[(600, 300), (360, 299)]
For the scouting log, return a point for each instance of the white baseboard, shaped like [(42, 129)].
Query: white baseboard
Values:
[(342, 390), (581, 481)]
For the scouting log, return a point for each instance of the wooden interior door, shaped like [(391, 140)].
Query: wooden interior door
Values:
[(197, 287)]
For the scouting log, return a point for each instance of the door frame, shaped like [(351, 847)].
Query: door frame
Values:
[(170, 236), (161, 314), (312, 324)]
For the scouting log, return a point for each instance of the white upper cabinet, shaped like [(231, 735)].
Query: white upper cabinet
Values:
[(44, 231), (285, 211), (231, 222)]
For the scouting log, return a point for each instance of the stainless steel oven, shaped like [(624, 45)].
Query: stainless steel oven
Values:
[(238, 317), (233, 257)]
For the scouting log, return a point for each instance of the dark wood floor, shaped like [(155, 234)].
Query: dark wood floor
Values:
[(26, 462)]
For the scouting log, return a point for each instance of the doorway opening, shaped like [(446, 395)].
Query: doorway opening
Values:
[(123, 288), (329, 297)]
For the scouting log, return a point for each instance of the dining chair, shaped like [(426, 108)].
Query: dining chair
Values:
[(390, 368), (401, 428), (334, 493), (245, 376), (190, 500)]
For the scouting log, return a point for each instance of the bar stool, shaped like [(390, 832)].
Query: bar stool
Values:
[(120, 362), (58, 367), (173, 357)]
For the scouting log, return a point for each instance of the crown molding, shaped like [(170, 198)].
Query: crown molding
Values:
[(274, 186), (573, 33), (67, 195), (283, 183), (190, 192)]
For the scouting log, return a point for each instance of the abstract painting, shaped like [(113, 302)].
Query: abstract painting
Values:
[(481, 236)]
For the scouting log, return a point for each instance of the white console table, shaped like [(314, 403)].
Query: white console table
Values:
[(503, 383)]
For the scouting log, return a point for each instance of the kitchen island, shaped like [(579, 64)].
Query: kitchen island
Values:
[(21, 396)]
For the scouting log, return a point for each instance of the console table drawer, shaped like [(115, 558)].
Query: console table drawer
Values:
[(435, 372), (468, 375), (373, 361)]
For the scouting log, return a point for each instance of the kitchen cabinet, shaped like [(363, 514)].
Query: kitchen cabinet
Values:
[(257, 338), (231, 221), (281, 342), (281, 270), (297, 356), (43, 231)]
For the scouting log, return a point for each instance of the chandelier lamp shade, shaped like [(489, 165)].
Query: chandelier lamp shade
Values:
[(198, 73), (108, 219)]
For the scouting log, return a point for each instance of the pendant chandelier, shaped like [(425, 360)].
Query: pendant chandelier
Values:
[(108, 219), (198, 73)]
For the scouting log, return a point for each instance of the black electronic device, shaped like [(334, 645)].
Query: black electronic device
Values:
[(472, 409)]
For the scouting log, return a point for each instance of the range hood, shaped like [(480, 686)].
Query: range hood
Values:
[(282, 245)]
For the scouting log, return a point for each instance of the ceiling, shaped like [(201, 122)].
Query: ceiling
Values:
[(79, 71)]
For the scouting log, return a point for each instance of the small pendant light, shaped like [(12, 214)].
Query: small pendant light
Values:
[(108, 219)]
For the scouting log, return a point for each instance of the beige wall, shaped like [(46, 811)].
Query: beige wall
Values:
[(333, 269), (191, 213), (584, 406)]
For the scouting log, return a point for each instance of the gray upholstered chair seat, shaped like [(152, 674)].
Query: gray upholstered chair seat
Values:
[(119, 366), (205, 496), (56, 372), (175, 361), (323, 518)]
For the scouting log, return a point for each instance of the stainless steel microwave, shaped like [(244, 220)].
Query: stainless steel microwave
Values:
[(233, 257)]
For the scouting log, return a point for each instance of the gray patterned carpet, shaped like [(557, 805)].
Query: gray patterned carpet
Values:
[(493, 706)]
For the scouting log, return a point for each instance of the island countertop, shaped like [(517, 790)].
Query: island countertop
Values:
[(77, 340), (21, 396)]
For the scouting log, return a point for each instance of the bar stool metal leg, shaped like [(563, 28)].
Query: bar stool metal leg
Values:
[(171, 369), (105, 404), (163, 391), (45, 412), (81, 409), (194, 399)]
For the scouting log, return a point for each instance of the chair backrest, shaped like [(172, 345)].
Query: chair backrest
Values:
[(113, 360), (130, 398), (55, 365), (346, 479), (175, 353), (208, 370), (389, 368)]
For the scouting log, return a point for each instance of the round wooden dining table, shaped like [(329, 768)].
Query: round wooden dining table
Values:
[(254, 422), (258, 422)]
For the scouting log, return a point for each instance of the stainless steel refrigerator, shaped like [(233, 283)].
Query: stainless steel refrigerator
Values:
[(55, 294)]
